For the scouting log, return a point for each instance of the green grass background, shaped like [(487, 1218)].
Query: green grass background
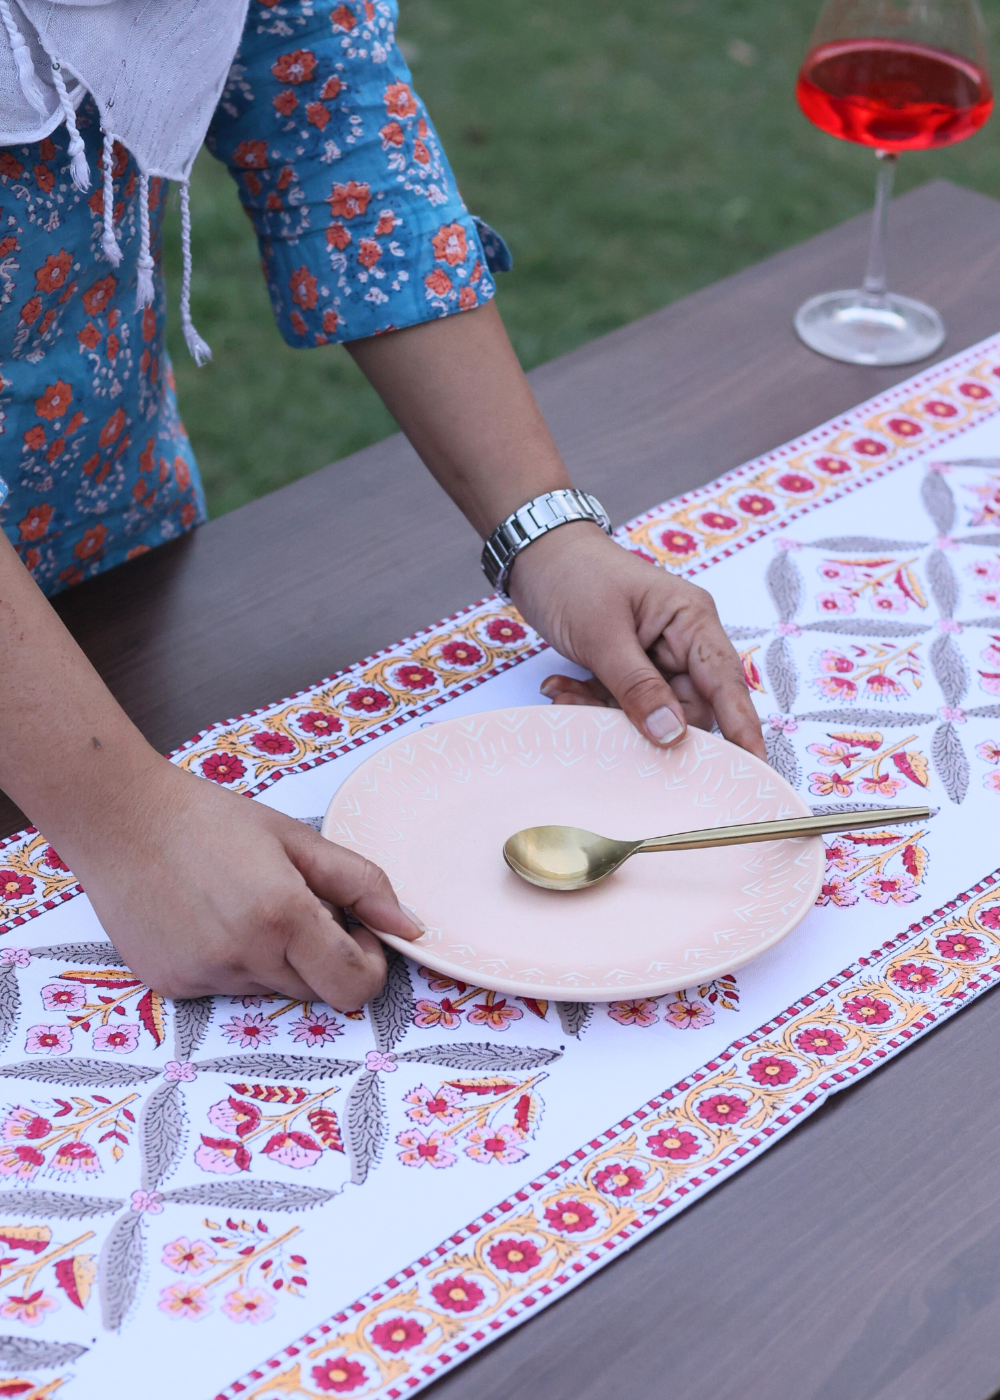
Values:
[(629, 151)]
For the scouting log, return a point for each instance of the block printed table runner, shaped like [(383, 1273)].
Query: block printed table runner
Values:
[(266, 1199)]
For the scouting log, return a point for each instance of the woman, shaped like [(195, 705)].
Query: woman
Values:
[(362, 233)]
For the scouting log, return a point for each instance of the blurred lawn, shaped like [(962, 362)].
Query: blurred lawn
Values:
[(628, 152)]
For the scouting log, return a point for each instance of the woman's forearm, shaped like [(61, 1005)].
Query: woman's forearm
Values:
[(456, 389)]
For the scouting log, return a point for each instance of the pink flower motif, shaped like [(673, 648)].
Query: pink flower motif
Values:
[(425, 1149), (571, 1217), (179, 1072), (770, 1069), (992, 781), (432, 1013), (238, 1117), (788, 629), (891, 602), (187, 1300), (784, 544), (838, 891), (841, 856), (496, 1145), (222, 1157), (723, 1108), (989, 750), (29, 1309), (989, 597), (833, 466), (497, 1014), (63, 996), (833, 754), (830, 784), (867, 1011), (796, 483), (517, 1256), (248, 1305), (783, 724), (320, 725), (619, 1180), (820, 1041), (882, 687), (987, 570), (249, 1032), (883, 786), (755, 505), (952, 715), (316, 1029), (121, 1038), (48, 1040), (368, 700), (837, 688), (900, 889), (869, 447), (273, 744), (961, 946), (223, 768), (412, 677), (381, 1060), (837, 601), (939, 408), (70, 1158), (634, 1013), (948, 624), (688, 1015), (441, 1106), (398, 1334), (293, 1149), (674, 1143), (915, 977), (22, 1161), (14, 886), (458, 1294), (15, 957), (25, 1123), (147, 1202), (461, 654), (186, 1256), (504, 632), (836, 571), (905, 427), (835, 663), (339, 1375)]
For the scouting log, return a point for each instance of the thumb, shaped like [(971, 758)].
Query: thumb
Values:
[(347, 880), (640, 689)]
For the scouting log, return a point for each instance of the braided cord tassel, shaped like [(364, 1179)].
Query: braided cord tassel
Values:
[(26, 74), (144, 268), (109, 243), (200, 351), (78, 167)]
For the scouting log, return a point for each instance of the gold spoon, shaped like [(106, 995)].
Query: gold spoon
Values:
[(568, 858)]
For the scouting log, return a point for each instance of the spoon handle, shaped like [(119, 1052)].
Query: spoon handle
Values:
[(792, 826)]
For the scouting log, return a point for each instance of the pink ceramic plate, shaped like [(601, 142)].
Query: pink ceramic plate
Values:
[(434, 809)]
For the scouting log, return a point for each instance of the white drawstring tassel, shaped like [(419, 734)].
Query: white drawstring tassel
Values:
[(78, 167), (109, 242), (144, 267), (26, 74), (199, 350)]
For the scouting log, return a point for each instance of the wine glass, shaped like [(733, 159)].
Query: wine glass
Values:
[(897, 75)]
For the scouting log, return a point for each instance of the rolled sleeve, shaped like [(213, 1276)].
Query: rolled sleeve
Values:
[(3, 491), (360, 223)]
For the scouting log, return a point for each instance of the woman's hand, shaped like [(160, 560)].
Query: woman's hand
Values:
[(653, 641), (203, 891)]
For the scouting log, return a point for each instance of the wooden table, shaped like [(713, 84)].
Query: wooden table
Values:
[(860, 1258)]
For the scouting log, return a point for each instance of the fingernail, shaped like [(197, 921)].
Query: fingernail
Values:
[(549, 687), (411, 914), (663, 726)]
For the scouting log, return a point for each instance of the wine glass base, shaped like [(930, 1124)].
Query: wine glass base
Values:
[(862, 329)]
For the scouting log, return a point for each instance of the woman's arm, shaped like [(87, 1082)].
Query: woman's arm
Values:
[(200, 890), (653, 641)]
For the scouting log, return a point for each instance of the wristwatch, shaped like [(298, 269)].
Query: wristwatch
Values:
[(532, 521)]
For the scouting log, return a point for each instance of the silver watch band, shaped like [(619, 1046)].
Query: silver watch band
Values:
[(532, 521)]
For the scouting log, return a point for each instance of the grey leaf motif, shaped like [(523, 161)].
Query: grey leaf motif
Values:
[(864, 544), (10, 1003), (985, 712), (191, 1018), (862, 627), (825, 809), (119, 1269), (884, 719), (745, 634), (315, 822), (938, 501), (574, 1016), (366, 1125), (392, 1010), (784, 583), (29, 1354), (781, 757), (92, 1073), (991, 541), (950, 761), (163, 1124), (104, 953), (482, 1056), (250, 1195), (54, 1205), (990, 463), (992, 624), (949, 669), (280, 1066), (943, 582), (781, 674)]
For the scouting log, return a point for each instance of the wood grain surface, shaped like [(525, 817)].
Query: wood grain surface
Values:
[(860, 1258)]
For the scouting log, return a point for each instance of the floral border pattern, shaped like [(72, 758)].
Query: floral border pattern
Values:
[(546, 1239)]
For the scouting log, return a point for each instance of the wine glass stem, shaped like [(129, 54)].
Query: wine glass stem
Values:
[(875, 273)]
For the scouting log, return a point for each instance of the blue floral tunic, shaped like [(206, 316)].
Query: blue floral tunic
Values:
[(361, 230)]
